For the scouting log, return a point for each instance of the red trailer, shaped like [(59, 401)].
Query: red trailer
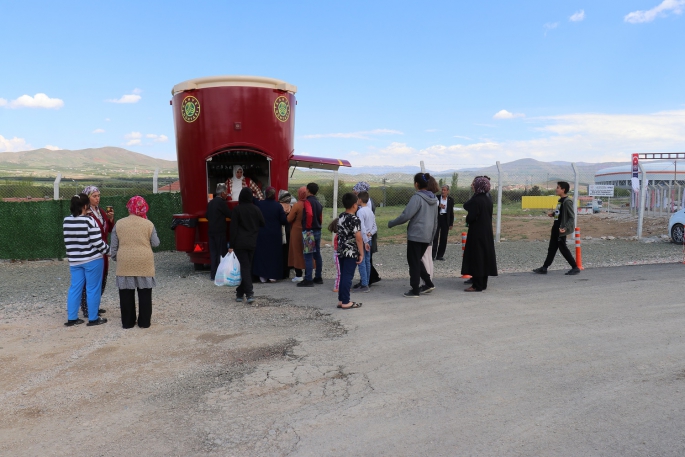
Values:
[(223, 123)]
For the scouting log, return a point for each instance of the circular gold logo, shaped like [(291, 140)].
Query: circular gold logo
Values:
[(190, 109), (282, 108)]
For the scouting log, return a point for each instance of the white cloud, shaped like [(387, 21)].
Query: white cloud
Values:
[(462, 137), (37, 101), (431, 130), (130, 98), (365, 135), (157, 138), (661, 10), (99, 131), (549, 26), (14, 144), (137, 91), (586, 137), (577, 16), (107, 119), (504, 114), (52, 148), (133, 138)]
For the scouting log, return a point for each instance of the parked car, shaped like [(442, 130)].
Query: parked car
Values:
[(594, 206), (676, 226)]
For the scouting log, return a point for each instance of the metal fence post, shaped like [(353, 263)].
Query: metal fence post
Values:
[(55, 192), (643, 196), (576, 195), (498, 232), (335, 194), (154, 181)]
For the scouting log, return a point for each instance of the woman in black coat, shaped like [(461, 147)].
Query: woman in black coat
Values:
[(479, 253), (268, 256)]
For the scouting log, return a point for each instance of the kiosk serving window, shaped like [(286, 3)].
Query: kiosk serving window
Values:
[(223, 165)]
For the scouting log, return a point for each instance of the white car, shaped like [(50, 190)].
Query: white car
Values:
[(676, 226)]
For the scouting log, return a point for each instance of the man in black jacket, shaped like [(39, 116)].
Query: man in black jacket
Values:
[(217, 212), (445, 223), (245, 224)]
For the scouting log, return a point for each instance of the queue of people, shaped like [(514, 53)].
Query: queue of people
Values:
[(272, 236)]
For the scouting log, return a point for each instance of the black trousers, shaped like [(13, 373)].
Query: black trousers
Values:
[(217, 249), (440, 239), (127, 302), (245, 257), (480, 282), (557, 242), (417, 270)]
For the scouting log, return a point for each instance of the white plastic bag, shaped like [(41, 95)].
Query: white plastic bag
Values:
[(228, 272)]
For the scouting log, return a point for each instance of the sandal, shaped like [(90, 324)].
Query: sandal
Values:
[(98, 321), (472, 289), (353, 305), (71, 322)]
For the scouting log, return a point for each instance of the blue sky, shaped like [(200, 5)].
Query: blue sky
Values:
[(379, 82)]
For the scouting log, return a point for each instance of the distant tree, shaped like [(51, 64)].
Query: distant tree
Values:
[(441, 182), (455, 180), (535, 191)]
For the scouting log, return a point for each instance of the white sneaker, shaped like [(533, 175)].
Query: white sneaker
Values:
[(262, 279), (298, 279)]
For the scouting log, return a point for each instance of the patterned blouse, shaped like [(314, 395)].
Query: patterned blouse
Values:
[(348, 226)]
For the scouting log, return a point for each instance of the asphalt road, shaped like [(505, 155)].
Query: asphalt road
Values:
[(591, 365)]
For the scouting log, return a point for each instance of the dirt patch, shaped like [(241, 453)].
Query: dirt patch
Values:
[(537, 226)]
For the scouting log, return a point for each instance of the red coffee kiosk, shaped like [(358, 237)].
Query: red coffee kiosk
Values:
[(223, 123)]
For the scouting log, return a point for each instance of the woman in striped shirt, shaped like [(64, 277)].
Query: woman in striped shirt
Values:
[(85, 252)]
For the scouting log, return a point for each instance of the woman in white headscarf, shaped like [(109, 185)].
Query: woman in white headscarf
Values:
[(235, 184)]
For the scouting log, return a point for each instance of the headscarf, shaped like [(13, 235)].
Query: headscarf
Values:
[(138, 206), (481, 185), (245, 195), (361, 186), (270, 193), (302, 193), (90, 190), (284, 196), (235, 170)]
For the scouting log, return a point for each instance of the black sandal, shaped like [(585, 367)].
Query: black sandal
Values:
[(71, 322), (354, 305), (98, 321)]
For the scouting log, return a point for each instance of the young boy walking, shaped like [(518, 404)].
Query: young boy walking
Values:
[(350, 249), (562, 226), (312, 218), (369, 228)]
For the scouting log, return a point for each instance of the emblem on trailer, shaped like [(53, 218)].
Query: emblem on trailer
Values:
[(282, 108), (190, 109)]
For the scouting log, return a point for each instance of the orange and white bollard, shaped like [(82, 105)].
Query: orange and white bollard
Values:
[(579, 253), (463, 248)]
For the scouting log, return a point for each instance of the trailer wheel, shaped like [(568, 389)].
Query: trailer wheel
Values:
[(677, 233)]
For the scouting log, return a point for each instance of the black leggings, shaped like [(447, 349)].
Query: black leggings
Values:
[(127, 302)]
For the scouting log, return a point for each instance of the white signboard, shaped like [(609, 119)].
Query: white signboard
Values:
[(601, 190)]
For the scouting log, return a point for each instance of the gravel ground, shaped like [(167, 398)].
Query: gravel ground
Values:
[(61, 385)]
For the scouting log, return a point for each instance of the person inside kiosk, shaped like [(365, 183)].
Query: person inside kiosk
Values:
[(238, 169), (235, 184)]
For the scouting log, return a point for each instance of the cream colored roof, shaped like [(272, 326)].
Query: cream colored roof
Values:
[(233, 80)]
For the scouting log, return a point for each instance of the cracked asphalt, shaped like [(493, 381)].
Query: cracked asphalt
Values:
[(590, 365)]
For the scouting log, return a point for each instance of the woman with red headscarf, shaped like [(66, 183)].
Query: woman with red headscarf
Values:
[(296, 252), (133, 238)]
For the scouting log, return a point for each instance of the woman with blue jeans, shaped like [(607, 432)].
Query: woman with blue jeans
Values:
[(85, 252)]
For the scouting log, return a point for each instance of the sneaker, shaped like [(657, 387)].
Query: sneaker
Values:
[(362, 289), (357, 286), (318, 281), (411, 294), (469, 281), (250, 298), (262, 279), (71, 322), (439, 258), (541, 271), (426, 289), (305, 283), (298, 279), (238, 299), (573, 271), (98, 321)]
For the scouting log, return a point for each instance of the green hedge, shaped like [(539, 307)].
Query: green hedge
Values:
[(33, 230)]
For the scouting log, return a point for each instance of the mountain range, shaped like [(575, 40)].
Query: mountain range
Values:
[(118, 161), (107, 161)]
